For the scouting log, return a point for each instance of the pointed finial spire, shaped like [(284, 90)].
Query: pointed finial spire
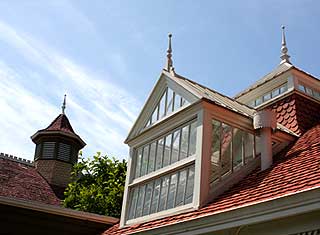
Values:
[(63, 107), (284, 50), (169, 65)]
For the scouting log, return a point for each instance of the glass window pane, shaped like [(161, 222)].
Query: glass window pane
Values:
[(177, 101), (309, 91), (159, 154), (147, 199), (275, 92), (301, 88), (167, 151), (190, 185), (138, 162), (162, 106), (152, 157), (181, 187), (169, 101), (144, 162), (248, 146), (140, 201), (237, 147), (155, 196), (172, 191), (175, 146), (267, 97), (258, 101), (215, 150), (283, 88), (133, 202), (316, 94), (226, 151), (192, 139), (184, 142), (154, 117), (164, 192)]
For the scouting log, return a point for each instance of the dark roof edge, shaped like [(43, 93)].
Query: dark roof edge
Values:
[(16, 159), (56, 210)]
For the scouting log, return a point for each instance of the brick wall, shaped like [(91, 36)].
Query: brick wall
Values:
[(297, 113), (55, 172)]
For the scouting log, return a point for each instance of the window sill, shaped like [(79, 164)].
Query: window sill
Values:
[(165, 170), (161, 214)]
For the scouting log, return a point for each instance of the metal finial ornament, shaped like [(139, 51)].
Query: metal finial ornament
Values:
[(63, 107), (284, 50), (169, 65)]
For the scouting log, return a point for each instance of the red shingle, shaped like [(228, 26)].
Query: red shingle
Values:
[(24, 182), (61, 123), (294, 170)]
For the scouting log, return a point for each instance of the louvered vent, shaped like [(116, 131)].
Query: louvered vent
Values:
[(48, 149), (64, 152)]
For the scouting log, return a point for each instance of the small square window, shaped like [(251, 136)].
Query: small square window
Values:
[(267, 97), (309, 91), (302, 88), (283, 88), (258, 101), (275, 92)]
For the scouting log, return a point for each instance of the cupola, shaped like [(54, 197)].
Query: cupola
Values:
[(57, 148)]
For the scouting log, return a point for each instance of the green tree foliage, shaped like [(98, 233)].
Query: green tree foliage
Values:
[(97, 185)]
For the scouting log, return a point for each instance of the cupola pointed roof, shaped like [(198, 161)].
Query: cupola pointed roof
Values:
[(60, 125)]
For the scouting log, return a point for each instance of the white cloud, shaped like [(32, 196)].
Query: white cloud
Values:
[(101, 112)]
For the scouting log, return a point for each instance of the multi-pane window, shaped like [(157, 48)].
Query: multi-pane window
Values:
[(166, 192), (231, 148), (171, 148), (269, 95), (309, 91), (169, 102)]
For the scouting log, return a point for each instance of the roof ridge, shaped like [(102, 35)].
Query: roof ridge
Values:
[(16, 159), (214, 91)]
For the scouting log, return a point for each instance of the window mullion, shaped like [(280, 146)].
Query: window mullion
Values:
[(163, 151), (173, 100), (185, 187), (220, 152), (180, 142), (232, 152), (135, 207), (171, 147), (159, 197), (166, 102), (151, 197), (176, 191), (243, 149), (189, 136), (168, 191), (147, 169)]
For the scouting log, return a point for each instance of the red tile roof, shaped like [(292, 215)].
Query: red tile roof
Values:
[(22, 181), (61, 123), (297, 113), (294, 170)]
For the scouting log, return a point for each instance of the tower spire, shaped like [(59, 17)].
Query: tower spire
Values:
[(284, 50), (169, 65), (63, 107)]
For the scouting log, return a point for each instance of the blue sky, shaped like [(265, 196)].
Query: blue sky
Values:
[(107, 55)]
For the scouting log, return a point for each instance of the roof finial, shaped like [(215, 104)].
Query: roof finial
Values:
[(63, 107), (169, 65), (284, 50)]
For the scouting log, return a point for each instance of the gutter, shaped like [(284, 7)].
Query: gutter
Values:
[(275, 208), (56, 210)]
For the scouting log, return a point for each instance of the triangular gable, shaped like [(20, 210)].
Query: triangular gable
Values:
[(167, 97)]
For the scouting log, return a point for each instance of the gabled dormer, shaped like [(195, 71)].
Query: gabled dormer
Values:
[(293, 94), (182, 158)]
